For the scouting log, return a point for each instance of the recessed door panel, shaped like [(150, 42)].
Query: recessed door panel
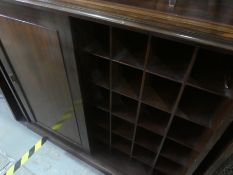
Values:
[(35, 55)]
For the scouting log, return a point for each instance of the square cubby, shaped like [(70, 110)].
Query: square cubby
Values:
[(99, 97), (147, 139), (121, 144), (126, 80), (169, 59), (213, 72), (160, 93), (143, 155), (99, 118), (100, 134), (124, 107), (122, 128), (199, 106), (188, 134), (167, 166), (178, 153), (92, 37), (98, 70), (157, 172), (153, 119), (129, 47)]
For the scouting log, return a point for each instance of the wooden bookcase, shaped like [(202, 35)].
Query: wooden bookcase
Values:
[(153, 102)]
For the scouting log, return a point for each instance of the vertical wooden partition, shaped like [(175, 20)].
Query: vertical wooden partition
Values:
[(156, 105)]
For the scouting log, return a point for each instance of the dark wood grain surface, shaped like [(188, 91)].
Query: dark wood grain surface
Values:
[(35, 55), (207, 22)]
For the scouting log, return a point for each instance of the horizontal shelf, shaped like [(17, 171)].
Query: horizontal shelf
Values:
[(169, 59), (201, 108), (99, 97), (97, 145), (121, 144), (129, 47), (126, 80), (122, 128), (113, 76), (98, 48), (100, 118), (188, 133), (143, 155), (148, 139), (101, 134), (92, 37), (213, 72), (178, 153), (124, 108), (153, 119), (160, 93), (169, 167), (98, 71)]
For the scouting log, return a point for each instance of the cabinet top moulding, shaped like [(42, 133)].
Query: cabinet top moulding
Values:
[(206, 22)]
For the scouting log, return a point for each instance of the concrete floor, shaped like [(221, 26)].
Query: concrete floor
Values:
[(16, 139)]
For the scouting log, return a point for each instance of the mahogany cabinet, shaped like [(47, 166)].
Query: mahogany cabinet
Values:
[(141, 100), (155, 102), (37, 53)]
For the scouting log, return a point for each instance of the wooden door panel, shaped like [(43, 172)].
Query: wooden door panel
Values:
[(36, 57)]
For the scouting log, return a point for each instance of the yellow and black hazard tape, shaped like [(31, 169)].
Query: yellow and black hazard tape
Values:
[(25, 157), (65, 117)]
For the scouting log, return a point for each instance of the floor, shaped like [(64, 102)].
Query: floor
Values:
[(16, 139)]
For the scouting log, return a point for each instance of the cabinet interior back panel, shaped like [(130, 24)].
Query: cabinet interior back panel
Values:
[(150, 101)]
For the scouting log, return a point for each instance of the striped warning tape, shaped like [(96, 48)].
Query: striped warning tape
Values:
[(57, 126), (26, 156)]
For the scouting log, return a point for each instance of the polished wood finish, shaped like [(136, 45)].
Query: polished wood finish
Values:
[(156, 81), (37, 61), (219, 158), (59, 54), (137, 85), (207, 22)]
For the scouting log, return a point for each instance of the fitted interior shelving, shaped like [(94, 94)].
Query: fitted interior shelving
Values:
[(150, 101), (160, 93), (129, 47), (169, 59)]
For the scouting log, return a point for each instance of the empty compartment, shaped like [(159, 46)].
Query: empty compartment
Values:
[(98, 70), (143, 155), (147, 139), (124, 108), (153, 119), (126, 80), (121, 144), (122, 128), (199, 106), (92, 37), (100, 134), (169, 59), (129, 47), (188, 134), (99, 97), (178, 153), (214, 72), (124, 162), (160, 93), (99, 147), (99, 118), (157, 172), (169, 167)]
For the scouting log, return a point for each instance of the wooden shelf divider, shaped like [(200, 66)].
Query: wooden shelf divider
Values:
[(155, 101)]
